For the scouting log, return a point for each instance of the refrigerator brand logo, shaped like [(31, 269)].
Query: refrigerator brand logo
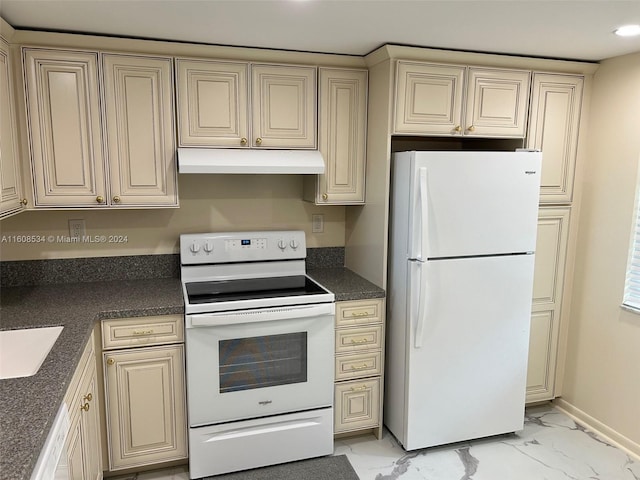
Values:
[(530, 172)]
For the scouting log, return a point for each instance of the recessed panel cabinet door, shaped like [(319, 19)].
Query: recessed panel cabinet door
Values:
[(284, 106), (555, 116), (343, 123), (10, 179), (497, 102), (139, 132), (212, 103), (428, 98), (548, 285), (63, 111), (146, 417)]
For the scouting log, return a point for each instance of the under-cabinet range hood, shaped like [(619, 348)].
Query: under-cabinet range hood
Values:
[(221, 160)]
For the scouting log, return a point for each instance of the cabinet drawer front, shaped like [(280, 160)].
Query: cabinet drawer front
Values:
[(357, 405), (128, 332), (359, 312), (358, 365), (359, 338)]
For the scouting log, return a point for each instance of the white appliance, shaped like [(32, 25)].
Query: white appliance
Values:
[(259, 352), (461, 259), (52, 463)]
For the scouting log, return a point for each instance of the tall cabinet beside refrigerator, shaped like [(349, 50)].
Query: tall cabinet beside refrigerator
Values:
[(461, 260)]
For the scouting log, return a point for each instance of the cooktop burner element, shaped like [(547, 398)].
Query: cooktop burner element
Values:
[(242, 270), (251, 288)]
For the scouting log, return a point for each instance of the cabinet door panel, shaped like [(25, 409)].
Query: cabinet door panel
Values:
[(75, 452), (212, 103), (64, 123), (10, 179), (497, 102), (284, 106), (343, 97), (357, 405), (551, 249), (146, 408), (428, 98), (555, 116), (139, 130), (548, 285), (542, 356)]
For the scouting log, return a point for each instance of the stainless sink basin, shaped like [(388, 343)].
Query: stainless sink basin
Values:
[(23, 351)]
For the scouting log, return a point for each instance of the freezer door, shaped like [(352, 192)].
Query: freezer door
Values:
[(473, 203), (466, 376)]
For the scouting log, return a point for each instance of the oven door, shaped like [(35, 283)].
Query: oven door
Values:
[(253, 363)]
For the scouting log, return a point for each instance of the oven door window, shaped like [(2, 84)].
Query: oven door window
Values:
[(265, 361)]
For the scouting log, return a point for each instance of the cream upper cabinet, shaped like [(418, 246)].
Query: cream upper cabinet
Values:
[(139, 133), (11, 200), (551, 252), (555, 115), (70, 127), (212, 103), (283, 104), (428, 98), (342, 138), (63, 110), (497, 102), (233, 104), (433, 99)]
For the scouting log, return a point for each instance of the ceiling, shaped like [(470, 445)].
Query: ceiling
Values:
[(569, 29)]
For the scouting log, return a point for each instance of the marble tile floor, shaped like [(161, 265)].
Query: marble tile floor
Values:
[(551, 447)]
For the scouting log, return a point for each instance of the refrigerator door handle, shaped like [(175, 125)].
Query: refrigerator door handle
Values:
[(424, 213), (419, 292)]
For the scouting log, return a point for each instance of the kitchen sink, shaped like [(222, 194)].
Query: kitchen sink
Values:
[(23, 351)]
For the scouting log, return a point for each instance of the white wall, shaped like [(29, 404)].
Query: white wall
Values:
[(602, 375), (207, 203)]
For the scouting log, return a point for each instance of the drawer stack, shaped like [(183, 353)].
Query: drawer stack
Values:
[(359, 365)]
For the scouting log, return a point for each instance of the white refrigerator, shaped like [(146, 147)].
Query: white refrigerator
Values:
[(461, 256)]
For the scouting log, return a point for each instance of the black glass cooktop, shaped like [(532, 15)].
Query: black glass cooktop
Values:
[(251, 288)]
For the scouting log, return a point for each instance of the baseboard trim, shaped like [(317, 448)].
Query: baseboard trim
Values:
[(609, 434)]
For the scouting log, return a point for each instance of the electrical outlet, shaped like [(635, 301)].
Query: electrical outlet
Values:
[(317, 223), (77, 228)]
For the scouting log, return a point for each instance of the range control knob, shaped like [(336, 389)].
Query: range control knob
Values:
[(294, 244), (282, 245), (195, 248), (208, 247)]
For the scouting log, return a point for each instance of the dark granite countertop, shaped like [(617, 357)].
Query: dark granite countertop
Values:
[(345, 284), (28, 405)]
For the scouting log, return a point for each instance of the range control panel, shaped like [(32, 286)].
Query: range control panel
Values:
[(229, 247)]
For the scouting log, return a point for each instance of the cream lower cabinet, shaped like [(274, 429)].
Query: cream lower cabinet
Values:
[(553, 129), (440, 99), (11, 200), (551, 253), (84, 452), (359, 369), (145, 391), (236, 104), (342, 138), (75, 163)]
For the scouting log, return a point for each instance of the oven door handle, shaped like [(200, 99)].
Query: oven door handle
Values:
[(258, 315)]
